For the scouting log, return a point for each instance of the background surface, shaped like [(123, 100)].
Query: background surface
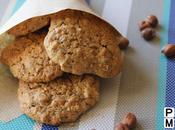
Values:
[(138, 87)]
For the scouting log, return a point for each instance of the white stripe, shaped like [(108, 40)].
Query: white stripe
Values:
[(9, 109), (37, 126), (117, 12), (71, 126), (101, 117), (8, 12)]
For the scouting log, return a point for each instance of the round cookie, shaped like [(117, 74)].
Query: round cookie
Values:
[(30, 25), (83, 43), (29, 61), (59, 101)]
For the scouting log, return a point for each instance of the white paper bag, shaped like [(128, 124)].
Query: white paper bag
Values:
[(34, 8)]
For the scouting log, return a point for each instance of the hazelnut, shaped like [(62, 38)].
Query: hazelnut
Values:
[(169, 50), (130, 120), (123, 44), (152, 19), (121, 126), (148, 33), (143, 24)]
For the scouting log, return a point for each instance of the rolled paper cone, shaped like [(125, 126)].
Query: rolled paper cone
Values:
[(35, 8)]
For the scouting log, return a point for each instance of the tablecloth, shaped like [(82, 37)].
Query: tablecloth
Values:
[(146, 84)]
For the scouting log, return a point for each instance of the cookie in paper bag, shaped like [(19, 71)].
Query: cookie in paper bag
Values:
[(29, 61), (29, 26), (83, 43), (60, 101)]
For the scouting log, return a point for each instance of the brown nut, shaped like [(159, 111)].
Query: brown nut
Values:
[(148, 33), (124, 43), (143, 24), (130, 120), (121, 126), (152, 19), (169, 50)]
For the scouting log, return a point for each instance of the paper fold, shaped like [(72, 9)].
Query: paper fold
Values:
[(30, 9)]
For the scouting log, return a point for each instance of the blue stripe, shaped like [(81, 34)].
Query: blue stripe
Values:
[(49, 127), (171, 33), (170, 82), (162, 68), (17, 5), (170, 86), (21, 123)]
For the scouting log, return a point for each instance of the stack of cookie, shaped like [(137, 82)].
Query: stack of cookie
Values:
[(57, 59)]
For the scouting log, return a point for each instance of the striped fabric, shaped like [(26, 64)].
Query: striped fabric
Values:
[(166, 97), (170, 81), (162, 68)]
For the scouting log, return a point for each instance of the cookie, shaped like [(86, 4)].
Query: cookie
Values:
[(30, 25), (62, 100), (29, 61), (83, 43)]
